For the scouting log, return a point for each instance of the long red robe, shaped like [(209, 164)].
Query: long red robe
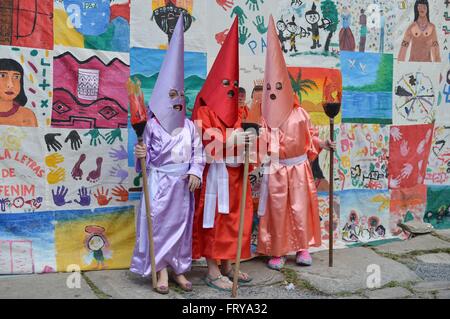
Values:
[(220, 242)]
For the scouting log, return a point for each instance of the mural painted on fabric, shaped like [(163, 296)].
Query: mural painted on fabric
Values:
[(90, 90)]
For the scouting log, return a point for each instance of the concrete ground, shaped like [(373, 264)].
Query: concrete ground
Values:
[(417, 268)]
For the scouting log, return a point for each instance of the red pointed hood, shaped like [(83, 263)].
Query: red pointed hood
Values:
[(220, 91)]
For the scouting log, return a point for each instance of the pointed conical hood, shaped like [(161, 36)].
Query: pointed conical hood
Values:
[(168, 101), (220, 91), (278, 95)]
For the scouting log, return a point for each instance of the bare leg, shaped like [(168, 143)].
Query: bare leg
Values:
[(227, 269), (214, 272)]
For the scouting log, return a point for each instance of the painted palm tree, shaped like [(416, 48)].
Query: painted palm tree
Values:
[(301, 86)]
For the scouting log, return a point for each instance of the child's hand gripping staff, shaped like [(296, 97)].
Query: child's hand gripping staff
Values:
[(251, 130), (139, 121)]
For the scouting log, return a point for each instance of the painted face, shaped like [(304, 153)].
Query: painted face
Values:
[(9, 85), (96, 243), (422, 8), (281, 26), (292, 28), (312, 18)]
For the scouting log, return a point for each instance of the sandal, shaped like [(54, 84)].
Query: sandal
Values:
[(185, 287), (241, 280), (163, 290), (210, 282)]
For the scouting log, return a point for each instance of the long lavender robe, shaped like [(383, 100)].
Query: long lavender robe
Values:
[(171, 202)]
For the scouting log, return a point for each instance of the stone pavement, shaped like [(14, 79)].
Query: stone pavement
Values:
[(417, 268)]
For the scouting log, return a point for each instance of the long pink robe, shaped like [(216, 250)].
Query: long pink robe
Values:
[(291, 221)]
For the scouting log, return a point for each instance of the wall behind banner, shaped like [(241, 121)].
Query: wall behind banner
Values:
[(68, 185)]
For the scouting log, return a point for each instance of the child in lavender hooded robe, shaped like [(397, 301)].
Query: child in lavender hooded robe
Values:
[(175, 162)]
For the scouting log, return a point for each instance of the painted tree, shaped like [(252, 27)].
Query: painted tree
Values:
[(301, 86), (330, 12)]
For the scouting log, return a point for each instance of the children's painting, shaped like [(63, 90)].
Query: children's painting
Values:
[(146, 63), (308, 86), (443, 99), (409, 149), (95, 240), (25, 86), (416, 88), (367, 80), (22, 170), (307, 29), (158, 18), (90, 89), (362, 156), (93, 24), (367, 25), (407, 204), (27, 243), (438, 169), (364, 216), (324, 213), (86, 168), (26, 23), (438, 207), (418, 31)]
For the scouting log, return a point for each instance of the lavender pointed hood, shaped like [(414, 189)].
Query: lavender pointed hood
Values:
[(168, 101)]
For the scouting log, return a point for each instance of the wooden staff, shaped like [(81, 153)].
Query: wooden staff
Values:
[(139, 121), (255, 127), (241, 222)]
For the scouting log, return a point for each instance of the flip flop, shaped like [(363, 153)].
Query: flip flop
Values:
[(210, 282), (230, 276)]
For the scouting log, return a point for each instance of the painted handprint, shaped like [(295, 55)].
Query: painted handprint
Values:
[(59, 197), (221, 36), (119, 172), (243, 34), (102, 197), (240, 14), (77, 172), (52, 142), (56, 176), (95, 137), (406, 170), (75, 140), (259, 24), (404, 148), (253, 4), (225, 4), (396, 134), (119, 155), (94, 175), (53, 160), (113, 135), (121, 193), (85, 197)]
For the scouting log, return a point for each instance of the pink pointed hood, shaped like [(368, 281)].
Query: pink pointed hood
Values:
[(278, 95)]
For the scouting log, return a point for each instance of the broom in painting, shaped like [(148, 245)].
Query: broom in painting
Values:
[(255, 128), (331, 103), (138, 121)]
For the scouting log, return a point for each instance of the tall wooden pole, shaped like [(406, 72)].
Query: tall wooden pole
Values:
[(149, 217), (331, 198), (241, 222)]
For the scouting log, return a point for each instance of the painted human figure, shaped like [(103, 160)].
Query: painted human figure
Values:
[(12, 96), (421, 36), (362, 31), (313, 18), (283, 34), (346, 38), (174, 156), (97, 245)]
